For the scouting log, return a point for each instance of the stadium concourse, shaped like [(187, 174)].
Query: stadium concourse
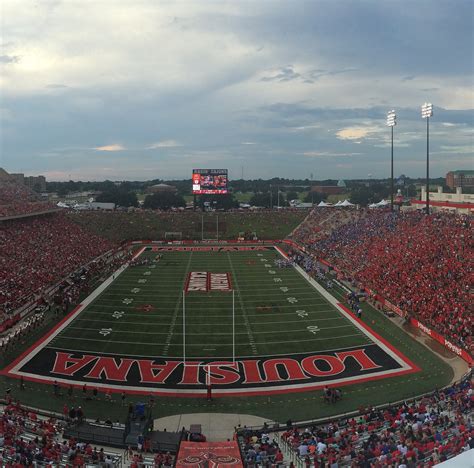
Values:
[(419, 263)]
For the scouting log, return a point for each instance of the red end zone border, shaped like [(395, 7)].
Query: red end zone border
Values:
[(405, 366)]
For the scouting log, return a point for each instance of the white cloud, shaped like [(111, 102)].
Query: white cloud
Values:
[(323, 154), (113, 147), (356, 133), (164, 144)]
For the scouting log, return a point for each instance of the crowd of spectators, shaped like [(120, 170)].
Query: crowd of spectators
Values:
[(419, 263), (38, 252), (27, 439), (421, 433), (259, 449), (17, 199), (19, 333)]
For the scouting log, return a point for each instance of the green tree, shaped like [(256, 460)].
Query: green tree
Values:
[(118, 195), (315, 197), (261, 199), (164, 201)]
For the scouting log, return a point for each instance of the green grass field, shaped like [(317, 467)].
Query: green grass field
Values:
[(273, 309), (277, 312)]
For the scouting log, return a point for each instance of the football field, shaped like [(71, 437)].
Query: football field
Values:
[(240, 318)]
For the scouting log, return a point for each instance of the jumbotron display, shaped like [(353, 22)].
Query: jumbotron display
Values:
[(209, 181)]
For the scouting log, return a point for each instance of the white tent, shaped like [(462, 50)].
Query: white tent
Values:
[(373, 205), (322, 203), (346, 203), (339, 203), (382, 203)]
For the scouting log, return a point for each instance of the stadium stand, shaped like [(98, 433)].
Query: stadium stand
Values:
[(28, 439), (17, 199), (37, 252), (423, 432), (419, 263)]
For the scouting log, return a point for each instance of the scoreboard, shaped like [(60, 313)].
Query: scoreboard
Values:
[(210, 181)]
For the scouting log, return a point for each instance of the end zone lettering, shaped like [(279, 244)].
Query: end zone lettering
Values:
[(205, 281), (210, 248), (245, 376)]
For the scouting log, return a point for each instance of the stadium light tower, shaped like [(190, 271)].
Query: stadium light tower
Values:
[(426, 113), (391, 122)]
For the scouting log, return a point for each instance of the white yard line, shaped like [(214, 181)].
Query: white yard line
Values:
[(273, 332), (169, 336), (248, 328), (217, 344), (147, 324)]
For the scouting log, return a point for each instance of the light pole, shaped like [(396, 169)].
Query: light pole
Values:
[(391, 122), (426, 113)]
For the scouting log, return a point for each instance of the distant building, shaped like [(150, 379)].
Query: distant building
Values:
[(36, 183), (328, 189), (160, 188), (460, 178), (440, 201)]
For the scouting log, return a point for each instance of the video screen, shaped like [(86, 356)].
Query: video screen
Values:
[(209, 181)]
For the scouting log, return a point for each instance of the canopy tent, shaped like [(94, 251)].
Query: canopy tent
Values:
[(346, 203), (322, 203), (373, 205), (339, 203), (382, 203)]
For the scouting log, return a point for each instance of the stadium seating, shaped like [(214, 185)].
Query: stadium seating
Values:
[(28, 439), (421, 433), (17, 200), (38, 252), (419, 263)]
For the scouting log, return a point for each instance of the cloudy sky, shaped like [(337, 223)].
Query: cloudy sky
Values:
[(137, 89)]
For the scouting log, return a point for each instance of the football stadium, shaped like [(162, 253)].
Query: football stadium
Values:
[(180, 289), (313, 331)]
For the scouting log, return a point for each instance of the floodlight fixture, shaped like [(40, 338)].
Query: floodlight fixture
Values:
[(427, 110), (391, 122), (426, 113), (391, 119)]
